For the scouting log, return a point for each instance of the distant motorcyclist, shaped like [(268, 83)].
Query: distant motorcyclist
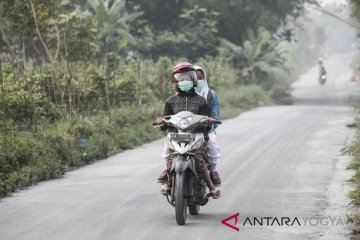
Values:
[(322, 72), (320, 62)]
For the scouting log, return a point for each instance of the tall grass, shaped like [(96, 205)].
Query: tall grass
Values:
[(241, 98), (29, 157), (353, 149)]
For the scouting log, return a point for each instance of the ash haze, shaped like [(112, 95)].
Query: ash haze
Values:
[(324, 2)]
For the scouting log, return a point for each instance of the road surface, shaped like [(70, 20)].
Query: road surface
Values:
[(280, 161)]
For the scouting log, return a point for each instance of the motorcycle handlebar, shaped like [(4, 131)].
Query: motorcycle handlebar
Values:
[(158, 124)]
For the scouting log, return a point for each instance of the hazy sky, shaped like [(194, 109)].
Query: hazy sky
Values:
[(332, 1)]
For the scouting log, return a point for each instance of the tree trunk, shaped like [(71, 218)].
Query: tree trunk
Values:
[(48, 54), (163, 83), (69, 84), (107, 79), (33, 106), (3, 93), (139, 82), (114, 86), (24, 52)]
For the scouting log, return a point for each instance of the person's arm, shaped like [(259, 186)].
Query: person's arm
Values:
[(168, 110), (215, 109), (204, 108)]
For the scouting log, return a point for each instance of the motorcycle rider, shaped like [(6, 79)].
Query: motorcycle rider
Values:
[(213, 152), (321, 66), (320, 62), (186, 99)]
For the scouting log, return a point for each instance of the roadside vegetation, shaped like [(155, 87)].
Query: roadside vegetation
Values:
[(83, 79), (353, 147)]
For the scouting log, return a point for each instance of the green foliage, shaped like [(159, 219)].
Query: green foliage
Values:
[(196, 27), (25, 96), (280, 94), (219, 73), (260, 59), (200, 41), (17, 15), (236, 17), (78, 31), (353, 149), (112, 23), (91, 80), (238, 99), (26, 158)]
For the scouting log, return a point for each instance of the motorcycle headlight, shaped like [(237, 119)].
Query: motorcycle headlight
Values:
[(184, 122)]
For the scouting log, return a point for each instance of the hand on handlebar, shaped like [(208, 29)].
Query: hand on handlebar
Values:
[(158, 121), (214, 121)]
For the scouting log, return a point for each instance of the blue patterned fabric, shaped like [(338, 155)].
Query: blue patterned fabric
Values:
[(215, 109)]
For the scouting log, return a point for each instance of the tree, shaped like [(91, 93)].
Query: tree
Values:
[(181, 21), (78, 33), (112, 23), (199, 27), (259, 58), (25, 22)]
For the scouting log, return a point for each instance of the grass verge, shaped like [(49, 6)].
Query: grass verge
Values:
[(27, 158)]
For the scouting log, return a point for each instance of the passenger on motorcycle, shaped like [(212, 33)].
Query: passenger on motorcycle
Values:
[(213, 153), (184, 79)]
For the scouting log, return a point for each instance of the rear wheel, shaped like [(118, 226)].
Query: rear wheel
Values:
[(194, 209), (181, 201)]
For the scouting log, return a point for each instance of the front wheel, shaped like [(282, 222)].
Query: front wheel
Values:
[(181, 201), (322, 80)]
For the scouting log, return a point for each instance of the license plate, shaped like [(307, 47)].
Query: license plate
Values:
[(182, 137)]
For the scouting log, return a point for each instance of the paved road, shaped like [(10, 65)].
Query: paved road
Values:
[(281, 161)]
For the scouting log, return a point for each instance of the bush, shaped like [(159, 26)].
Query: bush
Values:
[(281, 94), (353, 149), (66, 139), (238, 99), (27, 158)]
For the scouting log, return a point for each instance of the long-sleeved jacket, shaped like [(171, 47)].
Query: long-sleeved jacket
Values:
[(214, 105), (191, 102)]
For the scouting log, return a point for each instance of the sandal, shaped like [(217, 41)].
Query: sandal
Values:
[(215, 193), (165, 190)]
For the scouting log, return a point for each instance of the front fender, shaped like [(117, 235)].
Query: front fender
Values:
[(183, 162)]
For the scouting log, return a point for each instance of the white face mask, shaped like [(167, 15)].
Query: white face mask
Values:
[(201, 83), (185, 85)]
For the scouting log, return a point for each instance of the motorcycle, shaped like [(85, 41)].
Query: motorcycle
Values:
[(322, 77), (185, 135)]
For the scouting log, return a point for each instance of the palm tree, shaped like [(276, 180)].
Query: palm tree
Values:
[(112, 20), (113, 32), (259, 58)]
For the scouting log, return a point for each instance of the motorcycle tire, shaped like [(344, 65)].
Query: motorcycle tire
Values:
[(181, 201)]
